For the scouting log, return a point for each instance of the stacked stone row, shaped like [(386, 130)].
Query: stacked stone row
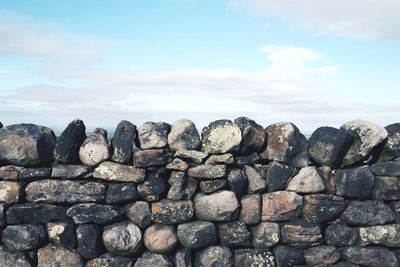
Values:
[(159, 195)]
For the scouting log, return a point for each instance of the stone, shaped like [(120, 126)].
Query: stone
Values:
[(254, 257), (24, 237), (184, 135), (391, 168), (62, 233), (253, 135), (278, 175), (193, 157), (122, 142), (94, 213), (177, 165), (153, 259), (384, 235), (234, 234), (387, 188), (322, 208), (29, 174), (52, 255), (207, 171), (356, 183), (27, 145), (301, 234), (13, 258), (255, 182), (226, 158), (286, 256), (123, 238), (197, 234), (55, 191), (69, 142), (171, 211), (307, 180), (3, 208), (286, 144), (181, 186), (250, 212), (160, 238), (328, 145), (211, 186), (221, 136), (219, 206), (237, 182), (67, 171), (370, 256), (251, 159), (281, 206), (343, 264), (110, 260), (391, 148), (89, 240), (265, 234), (151, 157), (139, 213), (214, 256), (183, 258), (118, 193), (367, 136), (153, 135), (35, 213), (10, 192), (10, 172), (153, 187), (368, 212), (321, 256), (340, 235), (112, 171), (95, 149)]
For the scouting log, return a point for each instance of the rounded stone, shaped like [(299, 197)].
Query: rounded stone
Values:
[(123, 238), (153, 135), (253, 135), (219, 206), (160, 238), (94, 150), (221, 136), (265, 234), (24, 237), (214, 256), (184, 135)]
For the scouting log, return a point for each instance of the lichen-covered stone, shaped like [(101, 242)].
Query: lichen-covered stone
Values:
[(265, 234), (89, 240), (112, 171), (177, 165), (321, 256), (35, 213), (368, 212), (391, 148), (123, 238), (172, 212), (219, 206), (153, 135), (68, 171), (340, 235), (118, 193), (390, 168), (321, 208), (212, 186), (221, 136), (193, 157), (122, 142), (151, 157), (281, 206), (62, 233), (253, 135), (370, 256), (286, 256), (387, 188), (153, 187), (138, 212), (52, 255), (254, 257), (234, 234), (256, 183), (181, 186), (214, 256), (29, 174), (197, 234), (24, 237), (110, 260), (13, 258), (10, 172), (69, 142), (301, 234), (207, 171), (160, 238), (308, 180), (237, 182), (184, 135), (226, 158), (355, 183), (277, 176), (250, 212), (95, 149), (384, 235), (94, 213), (153, 259), (10, 192)]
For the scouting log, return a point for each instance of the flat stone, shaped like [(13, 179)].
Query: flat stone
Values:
[(256, 184), (123, 238), (219, 206), (181, 186), (207, 171), (153, 187), (340, 235), (183, 258), (265, 234), (234, 234), (24, 237), (67, 171), (214, 256), (281, 206), (94, 213), (321, 255), (384, 235), (301, 234), (10, 192), (177, 165), (118, 193), (153, 259), (253, 135), (278, 175), (29, 174), (226, 158), (153, 135), (237, 182), (52, 255), (62, 233), (221, 136), (10, 172), (193, 157), (254, 257), (391, 168), (138, 212), (160, 238), (95, 149), (391, 148), (308, 180), (112, 171), (250, 212), (89, 240), (370, 256), (251, 159), (110, 260), (172, 212), (286, 256), (69, 142), (55, 191), (184, 135), (197, 234), (152, 157), (356, 183), (13, 258), (122, 142), (35, 213), (322, 208), (387, 188), (368, 212), (212, 186)]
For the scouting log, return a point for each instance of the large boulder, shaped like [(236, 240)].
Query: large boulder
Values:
[(219, 206), (184, 135), (221, 136), (253, 135), (123, 238), (122, 142), (69, 142), (153, 135), (27, 145), (391, 148), (94, 150)]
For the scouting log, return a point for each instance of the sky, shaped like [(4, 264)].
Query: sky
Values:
[(313, 63)]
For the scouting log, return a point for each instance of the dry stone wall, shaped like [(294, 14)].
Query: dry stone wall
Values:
[(164, 195)]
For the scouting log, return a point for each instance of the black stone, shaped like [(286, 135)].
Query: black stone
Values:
[(387, 188), (277, 176), (286, 256), (139, 212), (94, 213), (69, 142), (321, 207), (391, 148), (24, 237), (368, 212), (237, 182), (340, 235), (67, 171), (253, 135), (183, 258), (89, 240), (35, 213), (152, 157), (391, 168), (197, 234), (234, 234), (301, 234), (122, 142), (3, 208), (13, 258), (356, 183), (28, 174), (214, 256), (211, 186), (181, 186), (370, 256), (254, 257), (118, 193), (247, 160), (153, 187)]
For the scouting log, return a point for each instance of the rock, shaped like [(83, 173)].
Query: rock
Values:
[(286, 144), (177, 165), (181, 186), (94, 213), (255, 182), (123, 238), (10, 192), (29, 174), (234, 234), (27, 145), (111, 171), (343, 264), (110, 260), (387, 188), (221, 159), (3, 208), (368, 212), (172, 212), (253, 135), (151, 157), (54, 191), (153, 187), (281, 206), (340, 235), (153, 259), (221, 136), (391, 168), (184, 135), (35, 213), (254, 257), (10, 172), (69, 142), (391, 148), (328, 145), (354, 183), (197, 234), (211, 186), (24, 237), (308, 180), (277, 176), (237, 182), (160, 238), (15, 259), (64, 171), (321, 255), (250, 212), (89, 240), (207, 171), (251, 159), (367, 136), (193, 157), (301, 234), (384, 235), (219, 206), (139, 212), (118, 193), (370, 256), (322, 208), (214, 256), (62, 233), (122, 142), (94, 150), (287, 256), (153, 135), (183, 258), (265, 234), (52, 255)]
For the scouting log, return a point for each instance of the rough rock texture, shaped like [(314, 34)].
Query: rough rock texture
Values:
[(153, 135), (308, 180), (321, 208), (153, 259), (67, 171), (197, 234), (89, 240), (385, 235), (10, 192), (391, 148), (160, 238), (11, 258), (265, 234), (250, 212), (221, 136), (301, 234), (390, 168), (151, 157), (237, 182), (253, 135), (254, 257), (177, 165), (112, 171), (172, 212), (10, 172), (53, 255), (211, 186), (321, 255), (110, 260), (62, 233), (193, 157), (214, 256), (183, 258), (184, 135), (94, 150), (138, 212), (94, 213), (153, 187), (370, 256), (123, 238), (219, 206), (24, 237), (354, 183), (387, 188), (207, 171), (35, 213), (281, 206), (340, 235), (369, 212), (226, 158), (256, 184), (277, 175), (234, 234), (122, 142), (29, 174), (286, 256), (69, 142), (181, 186), (118, 193)]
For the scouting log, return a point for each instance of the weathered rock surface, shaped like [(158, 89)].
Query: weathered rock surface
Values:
[(181, 186), (10, 192), (212, 186), (253, 135), (122, 142), (237, 182), (355, 183), (234, 234), (151, 157), (387, 188), (207, 171), (69, 142), (226, 158), (391, 168), (391, 148), (370, 256), (277, 176), (221, 136), (193, 157), (321, 256), (219, 206), (256, 184), (3, 208), (184, 135), (94, 150), (177, 165), (286, 256), (183, 258), (281, 206), (138, 212), (153, 259), (24, 237), (160, 238), (35, 213), (340, 235), (11, 258), (94, 213), (251, 159), (29, 174), (214, 256), (52, 255), (265, 234), (384, 235), (62, 233), (308, 180), (123, 238), (172, 212), (301, 234), (153, 135), (89, 240), (368, 212), (250, 212), (118, 193), (110, 260), (67, 171), (153, 187), (321, 208), (254, 257), (112, 171), (10, 172), (197, 234)]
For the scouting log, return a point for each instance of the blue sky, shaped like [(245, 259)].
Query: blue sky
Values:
[(312, 63)]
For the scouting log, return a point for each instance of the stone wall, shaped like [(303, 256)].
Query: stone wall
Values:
[(159, 195)]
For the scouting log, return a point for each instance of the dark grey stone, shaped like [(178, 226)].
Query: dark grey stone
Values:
[(340, 235), (138, 212), (254, 257), (152, 157), (253, 135), (355, 183), (35, 213), (153, 135), (184, 135), (207, 171), (122, 142), (24, 237), (13, 258), (153, 187), (234, 234), (277, 176), (286, 256), (256, 184), (62, 233), (322, 208), (110, 260), (183, 258), (94, 213), (153, 259), (181, 186), (237, 182), (321, 255), (301, 234), (370, 256), (118, 193), (65, 171), (390, 168), (387, 188), (391, 148), (172, 211), (69, 142), (197, 234), (368, 212), (214, 256), (29, 174), (211, 186), (89, 240)]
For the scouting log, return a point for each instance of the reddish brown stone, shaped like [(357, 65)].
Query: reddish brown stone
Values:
[(281, 206), (9, 172)]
